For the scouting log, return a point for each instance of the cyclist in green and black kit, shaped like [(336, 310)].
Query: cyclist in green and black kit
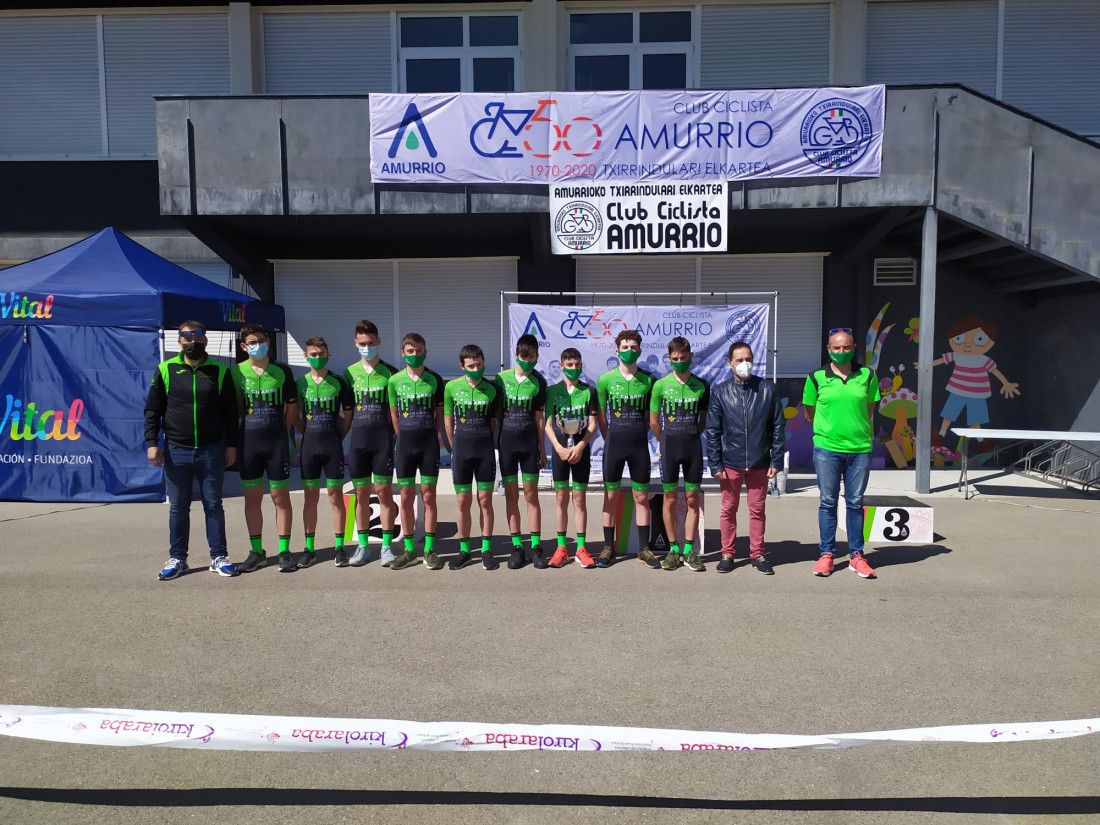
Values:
[(623, 395), (677, 414), (416, 398), (571, 412), (371, 448), (470, 404), (269, 408), (522, 434), (325, 403)]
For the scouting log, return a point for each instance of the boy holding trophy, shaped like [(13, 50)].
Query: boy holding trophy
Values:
[(571, 412)]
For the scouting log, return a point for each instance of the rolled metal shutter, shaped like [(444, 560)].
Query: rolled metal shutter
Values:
[(321, 53), (765, 45)]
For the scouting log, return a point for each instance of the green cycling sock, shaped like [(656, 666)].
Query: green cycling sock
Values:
[(311, 542), (689, 548), (429, 542), (363, 536), (486, 544), (410, 545), (257, 543), (535, 541), (338, 541), (516, 540), (464, 545), (561, 538), (387, 539), (674, 549), (580, 541), (284, 544)]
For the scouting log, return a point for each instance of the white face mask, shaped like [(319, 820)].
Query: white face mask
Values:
[(743, 369), (368, 352)]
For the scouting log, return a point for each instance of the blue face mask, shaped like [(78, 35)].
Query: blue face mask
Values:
[(257, 351), (369, 353)]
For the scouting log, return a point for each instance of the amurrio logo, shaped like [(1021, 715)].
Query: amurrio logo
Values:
[(23, 421), (534, 327), (14, 305), (412, 137), (836, 133), (233, 313)]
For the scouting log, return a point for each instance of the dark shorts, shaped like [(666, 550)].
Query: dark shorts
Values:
[(681, 453), (371, 456), (519, 453), (473, 459), (264, 451), (416, 451), (579, 472), (322, 452), (626, 451)]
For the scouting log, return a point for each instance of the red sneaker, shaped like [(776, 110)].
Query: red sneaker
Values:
[(584, 558), (560, 557), (824, 566), (862, 568)]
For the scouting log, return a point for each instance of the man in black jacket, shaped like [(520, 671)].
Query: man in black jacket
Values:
[(193, 401), (745, 440)]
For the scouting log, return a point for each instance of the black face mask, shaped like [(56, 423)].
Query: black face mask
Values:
[(195, 350)]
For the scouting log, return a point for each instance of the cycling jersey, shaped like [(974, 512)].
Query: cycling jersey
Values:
[(416, 400), (265, 445), (472, 407), (370, 450), (625, 402), (519, 446), (563, 405), (322, 442), (679, 404)]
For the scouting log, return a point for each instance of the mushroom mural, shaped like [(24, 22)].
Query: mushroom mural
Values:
[(900, 405)]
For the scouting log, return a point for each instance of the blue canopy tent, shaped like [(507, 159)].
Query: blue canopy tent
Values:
[(79, 340)]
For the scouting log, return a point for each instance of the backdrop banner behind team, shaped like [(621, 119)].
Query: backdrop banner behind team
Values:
[(620, 218), (592, 330), (631, 136)]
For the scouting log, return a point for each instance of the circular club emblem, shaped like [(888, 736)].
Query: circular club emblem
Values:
[(578, 225), (741, 327), (836, 133)]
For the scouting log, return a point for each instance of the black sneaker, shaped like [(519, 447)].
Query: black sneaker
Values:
[(606, 557), (340, 557), (648, 558), (255, 560), (459, 561), (287, 563), (489, 561), (306, 559), (762, 565), (537, 559), (725, 565), (516, 560)]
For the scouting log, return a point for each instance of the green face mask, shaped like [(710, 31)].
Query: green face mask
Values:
[(526, 366), (474, 375), (629, 356), (681, 366), (318, 362), (841, 357), (572, 373), (414, 361)]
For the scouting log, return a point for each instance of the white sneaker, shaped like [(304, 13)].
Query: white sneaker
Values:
[(387, 556), (360, 557)]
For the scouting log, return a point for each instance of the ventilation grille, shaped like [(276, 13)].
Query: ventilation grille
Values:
[(895, 272)]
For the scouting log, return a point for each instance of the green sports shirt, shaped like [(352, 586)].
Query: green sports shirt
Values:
[(369, 391), (472, 407), (625, 401), (415, 399), (679, 404), (263, 396), (562, 404), (520, 400), (321, 402), (842, 423)]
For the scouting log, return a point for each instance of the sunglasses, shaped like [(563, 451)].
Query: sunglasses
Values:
[(188, 335), (835, 330)]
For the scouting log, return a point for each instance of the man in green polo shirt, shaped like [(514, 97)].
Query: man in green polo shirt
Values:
[(840, 401)]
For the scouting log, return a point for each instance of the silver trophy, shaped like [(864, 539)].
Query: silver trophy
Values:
[(571, 427)]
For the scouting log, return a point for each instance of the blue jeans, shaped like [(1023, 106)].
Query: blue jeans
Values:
[(854, 468), (182, 466)]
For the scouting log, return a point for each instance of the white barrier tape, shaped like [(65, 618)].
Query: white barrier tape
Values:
[(223, 731)]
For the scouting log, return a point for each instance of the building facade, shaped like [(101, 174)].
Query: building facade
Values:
[(232, 138)]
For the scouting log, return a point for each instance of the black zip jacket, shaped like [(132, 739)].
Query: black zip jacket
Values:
[(745, 426), (195, 406)]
